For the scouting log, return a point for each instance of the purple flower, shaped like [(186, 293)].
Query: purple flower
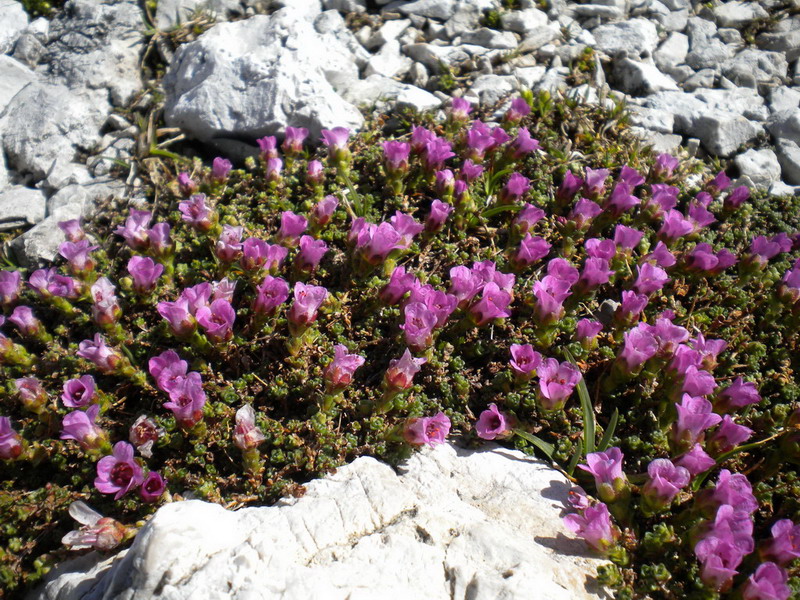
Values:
[(464, 284), (631, 307), (399, 283), (697, 382), (720, 183), (168, 370), (523, 144), (550, 293), (583, 212), (135, 229), (436, 152), (596, 272), (568, 188), (181, 322), (556, 382), (152, 487), (732, 489), (315, 172), (650, 278), (419, 138), (72, 230), (737, 197), (626, 238), (640, 346), (143, 434), (395, 155), (631, 176), (763, 249), (524, 361), (119, 473), (739, 394), (695, 461), (719, 556), (727, 436), (106, 359), (702, 258), (587, 330), (519, 108), (293, 140), (694, 417), (186, 400), (145, 273), (105, 307), (160, 241), (401, 371), (594, 526), (81, 427), (479, 141), (217, 320), (600, 248), (10, 442), (268, 146), (407, 227), (246, 434), (78, 392), (674, 226), (621, 199), (186, 185), (470, 171), (516, 187), (307, 300), (445, 183), (272, 170), (272, 292), (292, 227), (437, 216), (661, 256), (196, 213), (460, 109), (418, 326), (492, 424), (665, 482), (663, 199), (31, 393), (229, 245), (606, 468), (310, 254), (77, 255), (98, 532), (10, 287), (26, 322), (531, 249), (220, 169), (767, 583), (594, 185), (664, 166), (784, 546), (336, 138), (427, 430), (47, 283), (323, 211), (669, 336), (528, 217), (339, 372), (492, 305)]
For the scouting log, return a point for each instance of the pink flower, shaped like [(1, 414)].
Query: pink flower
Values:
[(10, 287), (181, 322), (78, 392), (492, 305), (399, 283), (187, 399), (595, 527), (315, 173), (336, 138), (168, 370), (273, 170), (400, 374), (26, 322), (143, 434), (323, 211), (587, 330), (217, 320), (77, 255), (727, 436), (229, 245), (519, 108), (186, 185), (492, 424), (310, 254), (272, 292), (31, 393), (694, 417), (307, 300), (81, 427), (767, 583), (664, 166), (665, 482), (106, 359), (268, 146), (10, 442), (339, 372), (153, 487), (556, 382), (418, 326), (220, 169), (119, 473), (460, 109), (196, 213), (98, 532), (246, 434), (145, 273), (72, 230), (516, 187), (395, 155), (524, 360), (292, 227), (784, 546), (437, 216), (135, 229), (427, 430), (293, 140), (531, 249), (609, 479)]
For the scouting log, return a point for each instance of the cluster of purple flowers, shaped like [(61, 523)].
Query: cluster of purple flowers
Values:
[(556, 380)]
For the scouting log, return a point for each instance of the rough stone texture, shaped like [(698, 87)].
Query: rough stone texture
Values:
[(170, 13), (434, 56), (37, 140), (490, 38), (490, 89), (660, 142), (786, 125), (435, 9), (523, 21), (442, 529), (388, 62), (787, 42), (722, 135), (784, 98), (672, 51), (654, 120), (13, 77), (738, 14), (379, 92), (789, 158), (761, 166), (20, 206), (40, 243), (13, 19), (634, 36), (641, 79), (254, 77), (96, 45), (751, 67)]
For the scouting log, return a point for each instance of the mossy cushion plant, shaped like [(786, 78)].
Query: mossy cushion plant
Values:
[(541, 282)]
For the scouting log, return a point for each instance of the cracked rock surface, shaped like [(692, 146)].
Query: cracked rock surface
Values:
[(452, 524)]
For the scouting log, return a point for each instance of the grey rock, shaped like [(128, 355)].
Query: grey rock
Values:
[(40, 28), (743, 101), (389, 31), (600, 11), (752, 67), (680, 73), (29, 49), (779, 188), (13, 20), (723, 134), (255, 77), (13, 77), (37, 140), (342, 44), (672, 51), (676, 4), (700, 30), (20, 206), (346, 6), (300, 9), (528, 77), (784, 98), (730, 36), (65, 173), (584, 94), (490, 89), (787, 42), (433, 56), (388, 61), (490, 38), (431, 530), (170, 13), (760, 166), (97, 46), (419, 75), (466, 18), (40, 243), (634, 36), (708, 55), (554, 80), (704, 78), (538, 38), (379, 92), (738, 14), (71, 194), (684, 107), (786, 125), (641, 79), (675, 20), (364, 35), (412, 35), (654, 120), (434, 9), (416, 99), (523, 21), (789, 158)]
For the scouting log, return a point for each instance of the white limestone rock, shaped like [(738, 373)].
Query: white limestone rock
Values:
[(20, 206), (529, 76), (641, 79), (434, 9), (779, 188), (40, 243), (787, 42), (784, 98), (170, 13), (490, 38), (789, 158), (255, 77), (539, 37), (786, 125), (761, 166), (659, 142), (13, 20), (741, 101), (439, 529), (751, 67), (97, 46), (388, 61), (38, 140), (13, 77), (523, 21), (722, 134), (388, 32), (634, 37), (672, 51), (346, 6), (738, 14), (490, 89), (654, 120), (433, 56)]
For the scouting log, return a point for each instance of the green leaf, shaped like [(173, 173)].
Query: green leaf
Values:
[(609, 432), (573, 462), (589, 427), (496, 210), (548, 449)]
